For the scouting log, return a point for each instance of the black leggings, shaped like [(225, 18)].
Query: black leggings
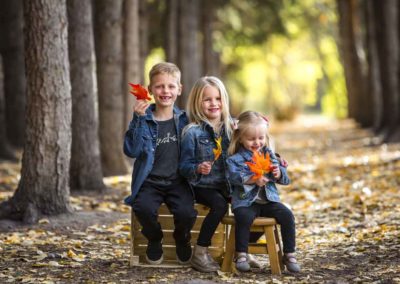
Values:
[(244, 217), (218, 204)]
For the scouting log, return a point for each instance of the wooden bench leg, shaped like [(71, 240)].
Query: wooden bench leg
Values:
[(272, 250), (229, 252), (280, 251)]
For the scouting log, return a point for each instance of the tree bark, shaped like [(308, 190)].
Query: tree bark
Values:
[(86, 173), (132, 64), (171, 39), (388, 48), (12, 49), (109, 52), (211, 62), (189, 52), (351, 61), (6, 151), (43, 188), (143, 36)]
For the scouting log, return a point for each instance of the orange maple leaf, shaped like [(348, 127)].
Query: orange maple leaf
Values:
[(218, 151), (259, 165), (139, 92)]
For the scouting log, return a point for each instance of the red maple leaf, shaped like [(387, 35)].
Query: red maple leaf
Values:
[(139, 92), (260, 164)]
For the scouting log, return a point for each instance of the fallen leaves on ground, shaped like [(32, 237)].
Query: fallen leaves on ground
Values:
[(344, 195)]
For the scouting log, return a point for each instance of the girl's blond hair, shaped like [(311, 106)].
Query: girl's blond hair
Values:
[(194, 110), (247, 120)]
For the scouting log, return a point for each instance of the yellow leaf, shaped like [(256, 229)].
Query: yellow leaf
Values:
[(218, 151)]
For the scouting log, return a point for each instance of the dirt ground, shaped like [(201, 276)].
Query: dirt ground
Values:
[(344, 194)]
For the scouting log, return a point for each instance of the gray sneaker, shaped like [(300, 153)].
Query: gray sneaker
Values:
[(242, 262), (289, 260)]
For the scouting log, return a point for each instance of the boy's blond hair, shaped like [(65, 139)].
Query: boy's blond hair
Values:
[(165, 68), (247, 120), (194, 110)]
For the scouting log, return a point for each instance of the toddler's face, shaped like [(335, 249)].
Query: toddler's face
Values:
[(165, 88), (211, 104), (255, 137)]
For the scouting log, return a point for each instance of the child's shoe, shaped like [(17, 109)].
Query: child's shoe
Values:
[(254, 263), (201, 260), (242, 262), (183, 252), (154, 252), (289, 260)]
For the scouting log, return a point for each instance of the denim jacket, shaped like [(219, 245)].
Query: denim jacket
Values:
[(238, 173), (140, 143), (197, 146)]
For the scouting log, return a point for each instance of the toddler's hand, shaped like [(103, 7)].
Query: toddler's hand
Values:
[(204, 168), (261, 181), (276, 171), (283, 162), (140, 107)]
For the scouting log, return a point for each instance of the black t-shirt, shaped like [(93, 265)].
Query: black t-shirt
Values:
[(166, 158)]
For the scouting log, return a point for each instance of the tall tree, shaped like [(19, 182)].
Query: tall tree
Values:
[(12, 49), (43, 187), (211, 61), (86, 173), (132, 62), (109, 56), (351, 62), (189, 51), (5, 149), (171, 34)]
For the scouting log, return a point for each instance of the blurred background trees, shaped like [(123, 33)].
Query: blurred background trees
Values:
[(284, 58)]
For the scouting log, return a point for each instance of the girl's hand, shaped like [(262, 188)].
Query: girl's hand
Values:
[(261, 181), (276, 171), (140, 107), (283, 162), (204, 168)]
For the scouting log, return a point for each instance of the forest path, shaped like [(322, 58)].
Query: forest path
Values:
[(344, 195)]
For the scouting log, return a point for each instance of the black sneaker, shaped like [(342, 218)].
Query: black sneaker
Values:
[(154, 252), (183, 252)]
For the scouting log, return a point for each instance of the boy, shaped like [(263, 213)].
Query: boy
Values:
[(153, 139)]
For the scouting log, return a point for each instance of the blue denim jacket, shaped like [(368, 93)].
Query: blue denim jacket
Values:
[(140, 143), (238, 173), (197, 146)]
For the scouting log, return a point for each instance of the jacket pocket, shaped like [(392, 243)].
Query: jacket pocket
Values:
[(204, 151)]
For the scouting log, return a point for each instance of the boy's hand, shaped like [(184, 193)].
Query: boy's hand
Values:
[(261, 181), (204, 168), (276, 171), (140, 107)]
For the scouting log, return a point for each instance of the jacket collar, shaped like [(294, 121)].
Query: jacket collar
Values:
[(149, 111)]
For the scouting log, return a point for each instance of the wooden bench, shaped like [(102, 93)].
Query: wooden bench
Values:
[(272, 247), (139, 242)]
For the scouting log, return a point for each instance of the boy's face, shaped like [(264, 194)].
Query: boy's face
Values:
[(165, 88)]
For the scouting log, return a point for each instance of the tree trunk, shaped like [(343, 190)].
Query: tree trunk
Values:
[(43, 187), (171, 39), (374, 76), (388, 49), (189, 61), (143, 36), (210, 57), (85, 167), (12, 50), (132, 66), (109, 52), (6, 151), (351, 62)]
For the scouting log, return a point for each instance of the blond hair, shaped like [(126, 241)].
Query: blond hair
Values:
[(195, 112), (165, 68), (247, 120)]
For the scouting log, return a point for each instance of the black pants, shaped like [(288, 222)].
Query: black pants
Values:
[(179, 200), (218, 204), (244, 217)]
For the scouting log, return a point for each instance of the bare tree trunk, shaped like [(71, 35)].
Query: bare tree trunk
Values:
[(109, 52), (6, 151), (85, 167), (132, 64), (386, 15), (171, 40), (374, 76), (351, 61), (43, 188), (189, 61), (143, 36), (211, 60), (12, 49)]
